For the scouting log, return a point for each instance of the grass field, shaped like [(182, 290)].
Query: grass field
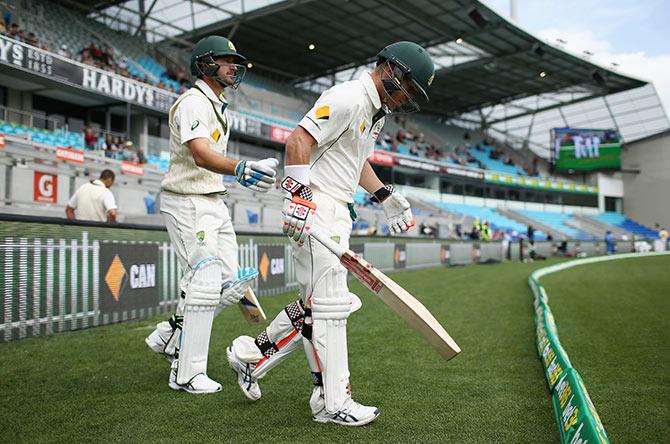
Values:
[(613, 322), (104, 384)]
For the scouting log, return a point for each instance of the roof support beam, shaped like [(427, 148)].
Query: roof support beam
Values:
[(143, 18), (545, 108)]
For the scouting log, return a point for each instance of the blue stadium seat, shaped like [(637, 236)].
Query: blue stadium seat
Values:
[(557, 221), (621, 221), (497, 220)]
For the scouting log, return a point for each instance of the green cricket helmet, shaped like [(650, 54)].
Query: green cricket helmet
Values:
[(205, 53), (407, 60)]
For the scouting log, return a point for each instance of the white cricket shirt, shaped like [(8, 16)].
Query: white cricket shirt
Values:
[(345, 121), (196, 113), (92, 201)]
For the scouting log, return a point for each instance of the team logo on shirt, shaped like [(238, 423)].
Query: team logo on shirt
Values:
[(362, 127), (216, 135), (194, 125), (430, 79), (200, 235), (322, 112)]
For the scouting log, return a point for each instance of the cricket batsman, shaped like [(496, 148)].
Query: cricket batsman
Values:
[(197, 219), (326, 160)]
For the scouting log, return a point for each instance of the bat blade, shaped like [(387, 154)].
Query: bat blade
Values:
[(397, 298), (251, 309)]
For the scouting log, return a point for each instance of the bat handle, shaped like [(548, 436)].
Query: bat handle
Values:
[(327, 242)]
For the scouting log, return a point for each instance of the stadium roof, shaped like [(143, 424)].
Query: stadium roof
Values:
[(490, 71)]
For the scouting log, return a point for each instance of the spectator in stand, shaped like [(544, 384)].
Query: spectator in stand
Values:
[(413, 151), (64, 52), (3, 27), (508, 160), (127, 153), (14, 31), (85, 57), (116, 147), (32, 39), (21, 36), (95, 52), (141, 158), (90, 138), (94, 201)]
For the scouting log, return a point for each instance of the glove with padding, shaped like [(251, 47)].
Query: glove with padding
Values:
[(396, 208), (233, 291), (257, 175), (299, 210)]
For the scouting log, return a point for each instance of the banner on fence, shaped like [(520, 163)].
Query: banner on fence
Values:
[(129, 277), (271, 263)]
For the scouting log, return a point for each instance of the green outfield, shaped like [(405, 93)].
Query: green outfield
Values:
[(613, 322), (104, 384)]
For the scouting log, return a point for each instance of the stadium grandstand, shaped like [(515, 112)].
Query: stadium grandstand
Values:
[(86, 86)]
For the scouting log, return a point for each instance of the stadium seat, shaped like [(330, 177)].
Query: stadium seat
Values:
[(621, 221), (556, 221)]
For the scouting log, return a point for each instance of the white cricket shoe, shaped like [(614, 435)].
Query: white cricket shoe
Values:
[(243, 370), (156, 343), (199, 384), (351, 414)]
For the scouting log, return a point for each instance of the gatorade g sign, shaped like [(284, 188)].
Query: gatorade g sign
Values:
[(271, 266), (128, 277), (45, 187)]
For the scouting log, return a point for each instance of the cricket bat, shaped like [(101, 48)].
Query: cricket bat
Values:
[(251, 309), (397, 298)]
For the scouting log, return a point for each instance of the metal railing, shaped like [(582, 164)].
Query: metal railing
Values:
[(31, 119)]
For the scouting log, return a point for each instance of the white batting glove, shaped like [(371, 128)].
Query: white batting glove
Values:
[(233, 291), (299, 210), (257, 175), (396, 208)]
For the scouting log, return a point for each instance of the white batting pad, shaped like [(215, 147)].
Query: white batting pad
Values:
[(202, 297), (331, 306)]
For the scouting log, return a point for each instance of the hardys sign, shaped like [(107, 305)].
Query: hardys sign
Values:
[(46, 64)]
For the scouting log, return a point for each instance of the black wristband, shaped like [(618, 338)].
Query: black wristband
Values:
[(383, 193)]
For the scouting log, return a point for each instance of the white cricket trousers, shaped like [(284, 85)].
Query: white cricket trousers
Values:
[(200, 227), (313, 259)]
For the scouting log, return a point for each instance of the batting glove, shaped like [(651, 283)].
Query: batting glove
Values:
[(396, 208), (299, 210), (257, 175), (233, 291)]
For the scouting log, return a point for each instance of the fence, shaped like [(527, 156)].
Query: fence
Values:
[(59, 276)]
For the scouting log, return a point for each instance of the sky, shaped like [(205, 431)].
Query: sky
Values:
[(634, 34)]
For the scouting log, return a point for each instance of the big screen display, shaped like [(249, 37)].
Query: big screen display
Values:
[(583, 149)]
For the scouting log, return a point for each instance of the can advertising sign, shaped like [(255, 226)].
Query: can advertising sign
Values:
[(271, 265), (45, 187), (128, 277)]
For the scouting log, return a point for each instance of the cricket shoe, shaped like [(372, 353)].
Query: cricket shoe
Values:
[(351, 414), (199, 384), (243, 370)]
